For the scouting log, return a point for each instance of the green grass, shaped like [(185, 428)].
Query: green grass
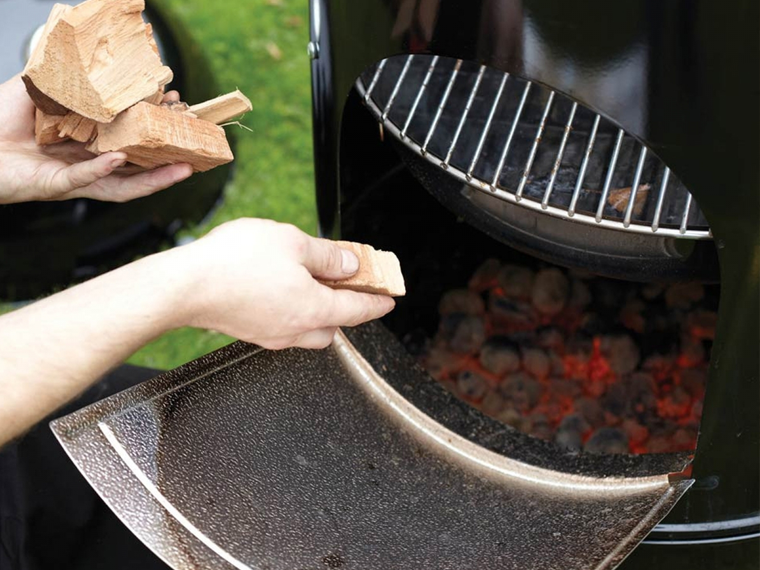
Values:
[(274, 170)]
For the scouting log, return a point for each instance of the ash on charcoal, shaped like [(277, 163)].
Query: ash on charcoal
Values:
[(590, 410), (461, 301), (550, 338), (471, 385), (521, 390), (676, 404), (465, 334), (516, 281), (637, 433), (540, 428), (493, 403), (615, 401), (485, 276), (570, 358), (513, 418), (511, 313), (550, 291), (564, 388), (607, 440), (622, 353), (500, 355), (536, 362), (570, 432)]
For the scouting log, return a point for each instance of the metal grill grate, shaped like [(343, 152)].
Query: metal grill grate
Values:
[(528, 145)]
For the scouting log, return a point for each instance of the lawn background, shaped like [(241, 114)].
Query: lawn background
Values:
[(259, 47)]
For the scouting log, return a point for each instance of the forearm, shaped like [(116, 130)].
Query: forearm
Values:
[(52, 350)]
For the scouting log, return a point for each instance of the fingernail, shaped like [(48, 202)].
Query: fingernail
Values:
[(118, 162), (349, 263)]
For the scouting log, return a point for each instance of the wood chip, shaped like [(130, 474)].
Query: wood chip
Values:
[(619, 198), (379, 272), (154, 135), (222, 109)]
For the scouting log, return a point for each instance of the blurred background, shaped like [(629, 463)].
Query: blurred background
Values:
[(213, 46)]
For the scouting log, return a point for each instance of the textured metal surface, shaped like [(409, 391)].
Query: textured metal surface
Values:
[(256, 459), (459, 116)]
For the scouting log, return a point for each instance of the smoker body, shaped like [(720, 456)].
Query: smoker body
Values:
[(687, 79)]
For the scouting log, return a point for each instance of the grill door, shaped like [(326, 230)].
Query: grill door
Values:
[(301, 460)]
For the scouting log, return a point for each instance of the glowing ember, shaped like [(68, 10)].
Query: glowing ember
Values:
[(589, 363)]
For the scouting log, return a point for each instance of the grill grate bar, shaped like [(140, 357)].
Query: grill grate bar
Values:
[(660, 199), (510, 136), (441, 105), (375, 79), (396, 87), (487, 127), (560, 154), (466, 112), (635, 187), (610, 174), (534, 148), (685, 217), (569, 162), (584, 166), (417, 99)]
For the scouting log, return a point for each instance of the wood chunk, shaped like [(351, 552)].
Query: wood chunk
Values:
[(222, 109), (95, 59), (77, 127), (42, 101), (154, 135), (46, 128), (379, 272)]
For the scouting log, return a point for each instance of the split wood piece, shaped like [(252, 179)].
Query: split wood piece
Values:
[(77, 127), (222, 109), (42, 101), (154, 135), (46, 128), (95, 59), (379, 272)]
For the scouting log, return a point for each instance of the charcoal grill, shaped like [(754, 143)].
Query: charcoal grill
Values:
[(354, 457)]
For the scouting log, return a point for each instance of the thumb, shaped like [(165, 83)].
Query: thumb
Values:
[(326, 260), (85, 173)]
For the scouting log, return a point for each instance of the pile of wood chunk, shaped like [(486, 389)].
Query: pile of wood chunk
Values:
[(96, 77)]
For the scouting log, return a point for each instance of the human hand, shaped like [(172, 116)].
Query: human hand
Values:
[(256, 280), (65, 170)]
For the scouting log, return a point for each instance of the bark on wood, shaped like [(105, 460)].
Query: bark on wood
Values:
[(46, 128), (222, 109), (95, 59), (154, 135), (379, 272)]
